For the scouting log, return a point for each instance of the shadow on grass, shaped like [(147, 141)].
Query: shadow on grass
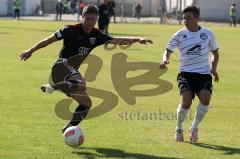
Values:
[(116, 153), (225, 149)]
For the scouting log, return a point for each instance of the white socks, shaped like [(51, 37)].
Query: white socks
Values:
[(181, 116), (199, 115)]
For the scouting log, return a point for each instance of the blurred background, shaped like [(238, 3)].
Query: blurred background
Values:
[(166, 10)]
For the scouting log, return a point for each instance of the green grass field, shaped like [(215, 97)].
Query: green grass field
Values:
[(30, 128)]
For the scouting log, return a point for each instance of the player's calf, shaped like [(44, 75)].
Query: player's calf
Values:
[(82, 110), (78, 115)]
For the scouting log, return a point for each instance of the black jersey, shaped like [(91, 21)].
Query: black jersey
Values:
[(77, 42)]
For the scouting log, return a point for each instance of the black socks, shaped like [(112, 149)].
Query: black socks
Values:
[(79, 114)]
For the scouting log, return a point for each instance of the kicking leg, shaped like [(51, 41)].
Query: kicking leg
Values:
[(83, 99)]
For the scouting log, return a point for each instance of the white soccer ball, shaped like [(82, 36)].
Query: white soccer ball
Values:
[(73, 136)]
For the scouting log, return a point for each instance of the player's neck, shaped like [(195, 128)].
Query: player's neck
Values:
[(194, 28)]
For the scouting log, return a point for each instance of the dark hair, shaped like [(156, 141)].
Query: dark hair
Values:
[(195, 10), (90, 9)]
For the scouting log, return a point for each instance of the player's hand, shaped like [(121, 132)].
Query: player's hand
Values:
[(25, 55), (163, 65), (145, 41), (215, 74)]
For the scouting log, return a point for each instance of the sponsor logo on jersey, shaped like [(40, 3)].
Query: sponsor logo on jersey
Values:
[(203, 36), (92, 41), (83, 50), (196, 50)]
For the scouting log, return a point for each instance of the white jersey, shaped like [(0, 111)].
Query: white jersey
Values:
[(194, 49)]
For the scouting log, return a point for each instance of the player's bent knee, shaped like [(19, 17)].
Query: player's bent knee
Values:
[(186, 105), (82, 98), (205, 97), (205, 102), (87, 102), (82, 88), (80, 85)]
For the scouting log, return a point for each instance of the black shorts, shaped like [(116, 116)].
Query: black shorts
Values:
[(194, 82), (61, 71)]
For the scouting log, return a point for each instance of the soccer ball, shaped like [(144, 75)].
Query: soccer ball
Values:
[(73, 136)]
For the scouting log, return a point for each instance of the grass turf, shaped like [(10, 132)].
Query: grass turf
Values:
[(30, 127)]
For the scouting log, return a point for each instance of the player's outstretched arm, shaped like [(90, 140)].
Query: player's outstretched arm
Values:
[(215, 59), (130, 40), (45, 42), (166, 58)]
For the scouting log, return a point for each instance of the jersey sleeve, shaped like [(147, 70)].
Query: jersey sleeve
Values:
[(213, 43), (103, 38), (63, 33), (173, 43)]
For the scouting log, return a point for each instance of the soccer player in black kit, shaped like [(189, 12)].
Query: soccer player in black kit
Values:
[(78, 41)]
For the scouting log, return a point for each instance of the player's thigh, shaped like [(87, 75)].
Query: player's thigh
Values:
[(186, 99), (59, 72), (184, 85), (204, 97), (79, 80), (204, 89)]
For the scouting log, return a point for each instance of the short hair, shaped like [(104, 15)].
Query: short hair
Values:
[(90, 9), (195, 10)]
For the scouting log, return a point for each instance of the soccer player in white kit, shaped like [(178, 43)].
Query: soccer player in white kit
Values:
[(194, 43)]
